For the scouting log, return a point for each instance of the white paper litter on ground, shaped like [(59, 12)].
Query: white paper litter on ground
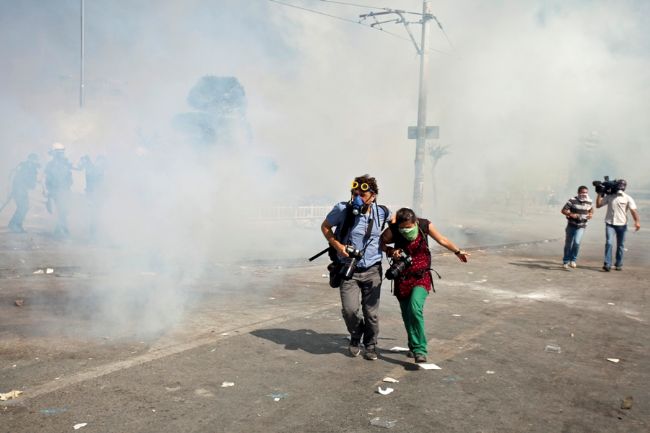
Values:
[(429, 366), (390, 380), (489, 372), (9, 395), (78, 426), (399, 349), (386, 391), (49, 271), (614, 360), (456, 315), (227, 384), (611, 303)]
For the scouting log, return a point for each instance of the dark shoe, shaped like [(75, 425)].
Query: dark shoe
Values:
[(607, 268), (419, 358), (370, 355), (409, 354), (354, 350), (619, 268)]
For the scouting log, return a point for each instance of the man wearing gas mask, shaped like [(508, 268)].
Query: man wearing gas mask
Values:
[(618, 203), (356, 267)]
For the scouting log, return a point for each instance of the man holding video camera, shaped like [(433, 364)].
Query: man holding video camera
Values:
[(356, 265), (411, 272), (612, 194)]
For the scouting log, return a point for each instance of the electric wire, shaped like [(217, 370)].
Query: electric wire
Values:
[(367, 6), (353, 4), (350, 21), (339, 18)]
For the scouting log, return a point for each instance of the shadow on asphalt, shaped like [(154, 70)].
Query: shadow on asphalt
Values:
[(321, 344), (407, 364), (305, 339), (552, 266)]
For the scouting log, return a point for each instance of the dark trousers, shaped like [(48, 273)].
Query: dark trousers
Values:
[(360, 305), (22, 206)]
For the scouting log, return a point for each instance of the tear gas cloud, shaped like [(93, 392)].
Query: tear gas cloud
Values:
[(530, 96)]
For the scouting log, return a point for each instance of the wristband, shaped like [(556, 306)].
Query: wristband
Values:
[(457, 252)]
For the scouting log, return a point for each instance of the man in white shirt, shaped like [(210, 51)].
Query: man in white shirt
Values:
[(618, 204)]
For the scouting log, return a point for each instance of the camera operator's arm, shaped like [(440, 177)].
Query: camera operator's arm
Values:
[(438, 237), (637, 219), (600, 201), (326, 228)]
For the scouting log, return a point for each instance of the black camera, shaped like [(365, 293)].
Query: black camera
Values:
[(607, 186), (398, 266), (340, 271), (348, 269)]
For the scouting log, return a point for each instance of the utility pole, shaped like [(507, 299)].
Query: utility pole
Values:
[(421, 132), (81, 72), (421, 141)]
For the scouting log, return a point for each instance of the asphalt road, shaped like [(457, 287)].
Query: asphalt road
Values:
[(275, 332)]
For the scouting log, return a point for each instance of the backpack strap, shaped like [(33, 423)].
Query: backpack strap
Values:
[(385, 209)]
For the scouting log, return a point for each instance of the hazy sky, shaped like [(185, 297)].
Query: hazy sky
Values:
[(522, 85)]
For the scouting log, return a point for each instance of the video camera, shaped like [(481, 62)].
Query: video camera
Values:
[(398, 266), (607, 186)]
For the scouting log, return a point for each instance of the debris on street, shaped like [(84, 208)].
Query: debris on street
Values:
[(627, 403), (277, 396), (429, 366), (10, 395), (386, 391), (553, 348), (385, 423)]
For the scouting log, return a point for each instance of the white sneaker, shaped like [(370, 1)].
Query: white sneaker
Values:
[(573, 264), (565, 266)]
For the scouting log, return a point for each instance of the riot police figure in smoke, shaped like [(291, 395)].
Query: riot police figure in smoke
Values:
[(58, 180), (23, 180)]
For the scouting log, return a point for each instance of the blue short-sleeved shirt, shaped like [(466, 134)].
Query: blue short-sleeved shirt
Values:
[(357, 233)]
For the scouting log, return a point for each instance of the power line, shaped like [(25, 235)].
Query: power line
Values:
[(389, 9), (315, 11), (352, 4), (349, 20)]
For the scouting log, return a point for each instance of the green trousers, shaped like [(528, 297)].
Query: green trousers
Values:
[(414, 319)]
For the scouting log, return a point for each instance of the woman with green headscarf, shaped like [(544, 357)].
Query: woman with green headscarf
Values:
[(411, 272)]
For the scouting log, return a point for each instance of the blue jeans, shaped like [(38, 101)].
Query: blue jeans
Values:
[(610, 231), (572, 243)]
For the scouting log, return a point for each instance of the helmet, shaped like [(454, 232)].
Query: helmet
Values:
[(58, 147)]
